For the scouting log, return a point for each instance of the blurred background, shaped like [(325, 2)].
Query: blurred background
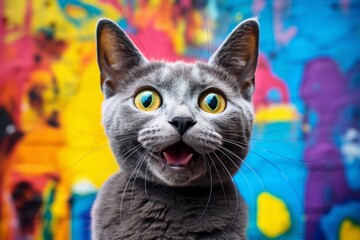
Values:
[(301, 178)]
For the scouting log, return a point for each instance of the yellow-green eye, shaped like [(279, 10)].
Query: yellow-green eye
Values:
[(212, 102), (147, 100)]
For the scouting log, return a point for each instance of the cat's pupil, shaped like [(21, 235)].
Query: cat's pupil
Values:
[(146, 99), (212, 101)]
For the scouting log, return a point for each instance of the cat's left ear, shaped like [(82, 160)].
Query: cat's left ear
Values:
[(238, 55), (116, 55)]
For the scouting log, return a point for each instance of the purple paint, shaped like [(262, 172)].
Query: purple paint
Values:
[(325, 91)]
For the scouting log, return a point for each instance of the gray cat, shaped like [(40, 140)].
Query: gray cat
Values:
[(179, 132)]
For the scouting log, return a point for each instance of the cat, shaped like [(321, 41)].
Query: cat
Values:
[(179, 132)]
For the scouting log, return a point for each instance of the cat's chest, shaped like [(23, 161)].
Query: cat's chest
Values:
[(154, 214), (174, 215)]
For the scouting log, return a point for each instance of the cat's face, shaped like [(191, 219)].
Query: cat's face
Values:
[(178, 123)]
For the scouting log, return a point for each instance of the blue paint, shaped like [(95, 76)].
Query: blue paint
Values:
[(80, 216), (330, 223), (285, 152)]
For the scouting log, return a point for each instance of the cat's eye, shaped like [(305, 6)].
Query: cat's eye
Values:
[(212, 102), (147, 100)]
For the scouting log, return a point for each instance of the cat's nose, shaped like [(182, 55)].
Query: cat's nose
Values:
[(182, 124)]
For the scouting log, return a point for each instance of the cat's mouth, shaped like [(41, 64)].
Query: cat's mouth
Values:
[(178, 156)]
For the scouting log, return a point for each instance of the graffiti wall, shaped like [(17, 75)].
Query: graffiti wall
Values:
[(301, 178)]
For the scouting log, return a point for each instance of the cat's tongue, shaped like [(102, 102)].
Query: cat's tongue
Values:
[(178, 155)]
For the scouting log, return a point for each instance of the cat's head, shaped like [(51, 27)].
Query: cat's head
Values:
[(178, 124)]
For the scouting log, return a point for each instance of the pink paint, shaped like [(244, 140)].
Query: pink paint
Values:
[(155, 44), (265, 80), (282, 36), (16, 62), (258, 6)]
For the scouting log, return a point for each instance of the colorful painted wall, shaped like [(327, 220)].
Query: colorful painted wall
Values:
[(301, 178)]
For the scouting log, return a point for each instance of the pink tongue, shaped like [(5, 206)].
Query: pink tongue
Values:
[(178, 154)]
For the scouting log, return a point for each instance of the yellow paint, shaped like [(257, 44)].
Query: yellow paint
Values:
[(50, 14), (16, 11), (155, 3), (239, 17), (76, 11), (177, 37), (78, 149), (349, 230), (273, 217), (276, 113), (202, 33), (87, 153)]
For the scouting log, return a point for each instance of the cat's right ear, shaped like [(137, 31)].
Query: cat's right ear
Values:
[(238, 55), (116, 55)]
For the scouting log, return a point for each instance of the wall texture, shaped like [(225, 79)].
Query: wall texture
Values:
[(301, 178)]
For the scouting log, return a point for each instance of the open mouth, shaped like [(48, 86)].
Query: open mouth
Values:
[(179, 156)]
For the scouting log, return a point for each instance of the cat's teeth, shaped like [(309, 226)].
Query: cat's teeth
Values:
[(187, 159)]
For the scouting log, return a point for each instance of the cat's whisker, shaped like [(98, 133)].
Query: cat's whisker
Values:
[(142, 160), (262, 140), (265, 150), (124, 139), (217, 172), (235, 188), (126, 187), (313, 131), (91, 147), (145, 183), (100, 134), (272, 164), (93, 181), (210, 194), (109, 165), (244, 162), (84, 156), (245, 178), (271, 152), (130, 152), (249, 184), (117, 131), (282, 156)]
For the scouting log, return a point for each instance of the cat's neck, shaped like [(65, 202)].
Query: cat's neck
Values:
[(224, 195), (168, 212)]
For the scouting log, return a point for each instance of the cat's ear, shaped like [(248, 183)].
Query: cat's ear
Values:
[(238, 55), (116, 55)]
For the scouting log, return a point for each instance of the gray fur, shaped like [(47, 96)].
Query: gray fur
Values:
[(146, 200)]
